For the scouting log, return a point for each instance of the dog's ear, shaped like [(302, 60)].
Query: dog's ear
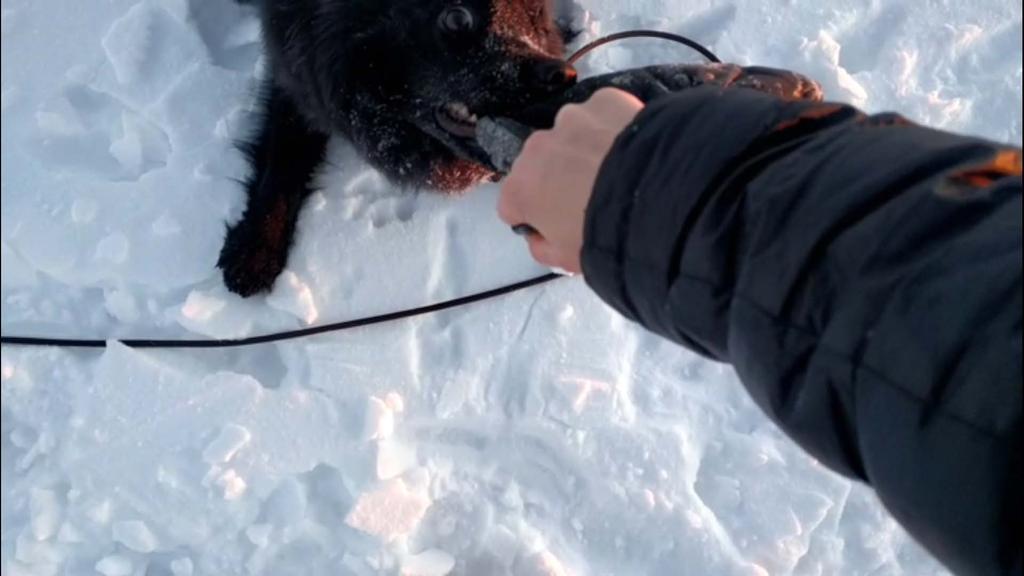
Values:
[(526, 23)]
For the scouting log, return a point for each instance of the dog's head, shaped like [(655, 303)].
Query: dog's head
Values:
[(415, 74)]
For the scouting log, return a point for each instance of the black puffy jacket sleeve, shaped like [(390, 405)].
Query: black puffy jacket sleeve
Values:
[(863, 276)]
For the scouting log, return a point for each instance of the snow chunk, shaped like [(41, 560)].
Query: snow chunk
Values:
[(135, 535), (84, 210), (208, 313), (503, 544), (823, 56), (380, 420), (114, 565), (45, 510), (758, 570), (647, 499), (166, 225), (59, 118), (388, 512), (45, 557), (395, 402), (259, 534), (511, 498), (543, 563), (121, 305), (127, 41), (394, 458), (182, 567), (428, 563), (101, 512), (246, 32), (114, 248), (142, 146), (230, 127), (234, 485), (70, 534), (201, 306), (286, 506), (293, 296), (694, 520), (232, 438)]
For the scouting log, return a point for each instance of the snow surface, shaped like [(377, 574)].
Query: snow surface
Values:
[(539, 434)]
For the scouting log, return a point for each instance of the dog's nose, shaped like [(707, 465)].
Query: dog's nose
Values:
[(553, 74)]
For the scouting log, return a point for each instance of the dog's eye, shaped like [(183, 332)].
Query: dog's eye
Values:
[(457, 19)]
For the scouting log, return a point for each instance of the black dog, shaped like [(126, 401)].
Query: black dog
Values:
[(404, 80)]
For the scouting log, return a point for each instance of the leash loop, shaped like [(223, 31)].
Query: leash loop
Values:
[(678, 39)]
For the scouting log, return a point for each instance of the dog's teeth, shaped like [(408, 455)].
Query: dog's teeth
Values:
[(459, 111)]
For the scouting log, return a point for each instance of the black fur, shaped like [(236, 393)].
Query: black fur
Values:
[(377, 72)]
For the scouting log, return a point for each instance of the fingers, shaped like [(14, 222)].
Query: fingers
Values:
[(542, 251), (550, 183), (616, 108), (508, 209), (609, 108), (550, 255), (589, 128), (523, 179), (581, 131)]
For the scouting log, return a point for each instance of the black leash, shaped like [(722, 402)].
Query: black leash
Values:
[(696, 46), (289, 334), (211, 343)]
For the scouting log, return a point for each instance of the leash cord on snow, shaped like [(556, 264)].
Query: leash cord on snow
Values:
[(290, 334), (210, 343)]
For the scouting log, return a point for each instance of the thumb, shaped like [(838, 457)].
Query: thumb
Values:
[(543, 251)]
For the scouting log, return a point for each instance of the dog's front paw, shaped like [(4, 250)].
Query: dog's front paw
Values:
[(250, 265)]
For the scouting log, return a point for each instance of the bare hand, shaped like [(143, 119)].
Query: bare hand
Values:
[(550, 184)]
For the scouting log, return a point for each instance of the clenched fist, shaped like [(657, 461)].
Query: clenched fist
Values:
[(551, 181)]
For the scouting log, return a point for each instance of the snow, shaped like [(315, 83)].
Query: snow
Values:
[(45, 512), (231, 439), (428, 563), (295, 297), (259, 534), (537, 434), (135, 535), (115, 565), (389, 511), (380, 420), (182, 567), (232, 485), (394, 458)]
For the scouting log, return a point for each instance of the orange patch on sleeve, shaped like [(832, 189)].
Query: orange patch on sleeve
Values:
[(1004, 164), (809, 115)]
